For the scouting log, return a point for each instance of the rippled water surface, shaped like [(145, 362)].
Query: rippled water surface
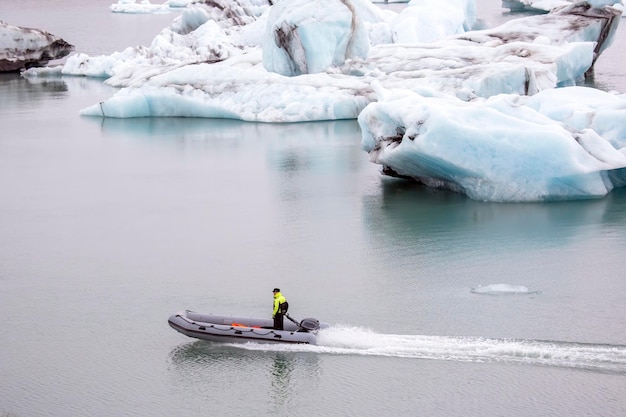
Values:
[(439, 305)]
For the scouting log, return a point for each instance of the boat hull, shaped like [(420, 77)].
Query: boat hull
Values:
[(229, 329)]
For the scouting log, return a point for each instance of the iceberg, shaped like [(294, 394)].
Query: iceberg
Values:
[(490, 113), (22, 48), (547, 5), (211, 70), (431, 20), (146, 7), (201, 34), (302, 37), (501, 148)]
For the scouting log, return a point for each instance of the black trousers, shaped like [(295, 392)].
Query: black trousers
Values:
[(278, 321)]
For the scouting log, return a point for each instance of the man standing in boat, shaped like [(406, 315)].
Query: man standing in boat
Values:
[(280, 308)]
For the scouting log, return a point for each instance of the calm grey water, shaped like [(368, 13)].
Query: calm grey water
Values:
[(109, 226)]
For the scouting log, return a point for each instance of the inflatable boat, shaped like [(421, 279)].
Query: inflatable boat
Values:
[(231, 329)]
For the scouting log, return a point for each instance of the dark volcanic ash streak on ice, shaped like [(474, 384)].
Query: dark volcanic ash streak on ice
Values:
[(22, 48)]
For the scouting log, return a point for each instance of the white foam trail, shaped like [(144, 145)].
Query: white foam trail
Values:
[(359, 341)]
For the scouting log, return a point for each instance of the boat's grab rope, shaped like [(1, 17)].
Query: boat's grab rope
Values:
[(203, 326)]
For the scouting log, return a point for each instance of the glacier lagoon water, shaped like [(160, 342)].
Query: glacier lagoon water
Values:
[(108, 226)]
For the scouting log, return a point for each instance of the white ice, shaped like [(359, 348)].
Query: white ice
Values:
[(146, 7), (502, 289), (431, 20), (483, 112), (547, 5), (503, 148)]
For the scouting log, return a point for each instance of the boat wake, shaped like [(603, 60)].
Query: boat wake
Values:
[(358, 341)]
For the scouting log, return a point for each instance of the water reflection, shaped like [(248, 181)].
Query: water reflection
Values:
[(282, 370), (181, 128), (615, 213), (410, 212), (55, 87), (173, 128), (17, 90), (205, 369), (293, 153)]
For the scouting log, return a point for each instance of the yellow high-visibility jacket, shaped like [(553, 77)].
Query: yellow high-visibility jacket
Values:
[(278, 300)]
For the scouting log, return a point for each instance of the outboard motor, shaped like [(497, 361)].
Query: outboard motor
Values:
[(309, 325)]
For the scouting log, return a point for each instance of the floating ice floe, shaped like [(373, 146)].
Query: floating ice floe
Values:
[(502, 289), (201, 34), (146, 7), (547, 5), (503, 148), (22, 47)]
